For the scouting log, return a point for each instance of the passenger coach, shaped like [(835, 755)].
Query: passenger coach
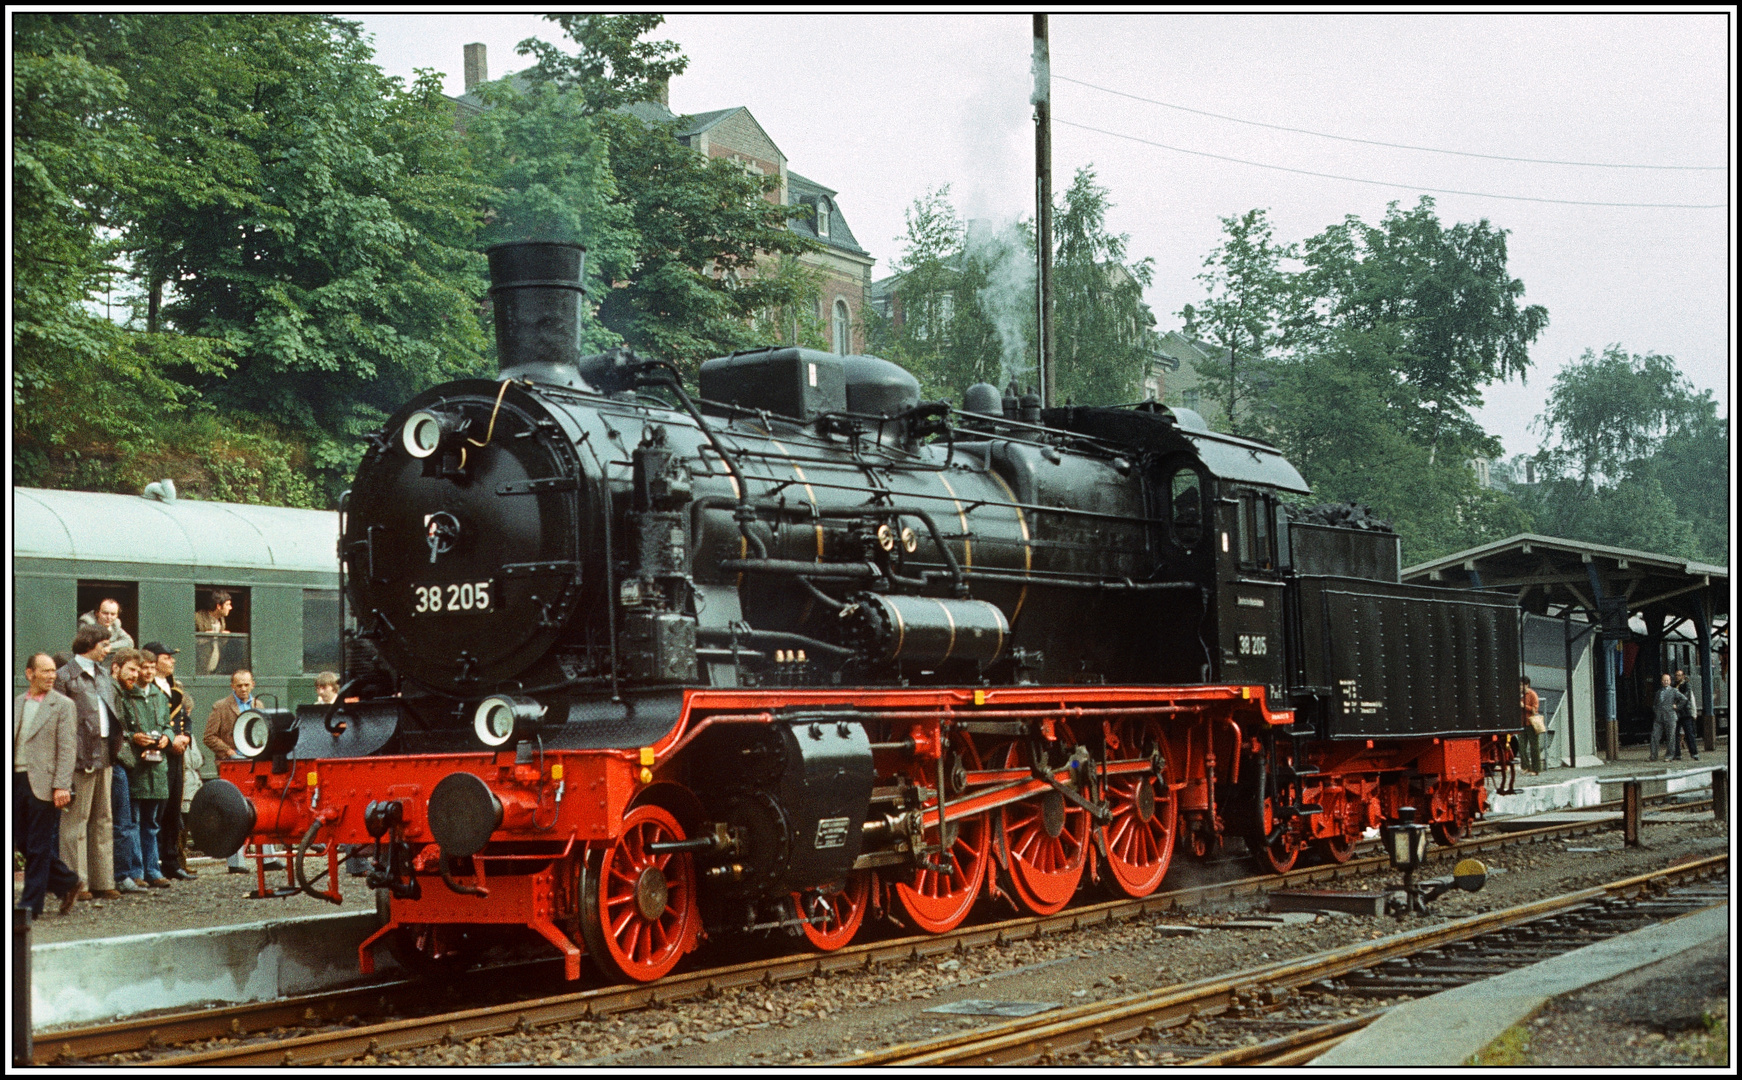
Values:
[(162, 557)]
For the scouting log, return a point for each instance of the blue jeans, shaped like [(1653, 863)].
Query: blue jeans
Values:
[(129, 863), (150, 814)]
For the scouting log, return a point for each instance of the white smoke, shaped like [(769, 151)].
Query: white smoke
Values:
[(1008, 298)]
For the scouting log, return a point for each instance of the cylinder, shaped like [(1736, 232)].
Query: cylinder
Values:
[(537, 295), (924, 629)]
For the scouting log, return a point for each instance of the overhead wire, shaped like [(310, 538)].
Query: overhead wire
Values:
[(1388, 183), (1379, 142)]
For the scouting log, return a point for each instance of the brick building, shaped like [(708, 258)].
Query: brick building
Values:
[(735, 134)]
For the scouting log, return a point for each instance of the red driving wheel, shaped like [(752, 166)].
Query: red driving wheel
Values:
[(1047, 839), (1140, 836), (638, 909), (937, 901)]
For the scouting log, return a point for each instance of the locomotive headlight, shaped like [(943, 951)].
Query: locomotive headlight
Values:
[(500, 716), (425, 430), (261, 733)]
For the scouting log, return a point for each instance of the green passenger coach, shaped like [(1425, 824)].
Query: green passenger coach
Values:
[(169, 563)]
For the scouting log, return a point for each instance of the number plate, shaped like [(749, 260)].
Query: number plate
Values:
[(460, 598)]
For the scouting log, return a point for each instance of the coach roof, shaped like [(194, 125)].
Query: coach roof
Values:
[(127, 528)]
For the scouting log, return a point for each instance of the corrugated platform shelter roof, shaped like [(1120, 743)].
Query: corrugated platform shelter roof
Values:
[(1550, 573), (50, 524)]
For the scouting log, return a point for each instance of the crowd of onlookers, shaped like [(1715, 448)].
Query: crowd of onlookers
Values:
[(106, 760)]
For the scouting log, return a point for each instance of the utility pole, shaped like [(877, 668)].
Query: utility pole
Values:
[(1042, 102)]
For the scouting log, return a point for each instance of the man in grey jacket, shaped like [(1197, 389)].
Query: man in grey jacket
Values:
[(1664, 716), (45, 742), (87, 841)]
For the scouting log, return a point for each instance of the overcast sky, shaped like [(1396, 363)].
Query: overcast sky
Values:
[(882, 107)]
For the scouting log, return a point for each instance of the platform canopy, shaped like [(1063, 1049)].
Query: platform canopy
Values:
[(1550, 576)]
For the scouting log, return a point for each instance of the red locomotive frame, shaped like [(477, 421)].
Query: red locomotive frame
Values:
[(571, 859)]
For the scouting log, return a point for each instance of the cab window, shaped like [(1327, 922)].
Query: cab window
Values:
[(1186, 500)]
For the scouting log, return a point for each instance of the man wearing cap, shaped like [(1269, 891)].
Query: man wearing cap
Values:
[(172, 853)]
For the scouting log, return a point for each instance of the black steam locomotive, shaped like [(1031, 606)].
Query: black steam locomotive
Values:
[(633, 667)]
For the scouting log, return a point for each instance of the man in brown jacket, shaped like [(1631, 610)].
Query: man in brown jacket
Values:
[(87, 841), (45, 743), (219, 739)]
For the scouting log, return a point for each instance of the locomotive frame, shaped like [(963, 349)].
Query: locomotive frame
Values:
[(836, 653)]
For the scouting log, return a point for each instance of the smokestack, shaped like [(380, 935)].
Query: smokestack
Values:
[(477, 70), (537, 297)]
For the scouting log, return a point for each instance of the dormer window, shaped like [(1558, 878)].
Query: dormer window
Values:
[(823, 213)]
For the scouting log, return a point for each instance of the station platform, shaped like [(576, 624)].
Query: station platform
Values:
[(1577, 787)]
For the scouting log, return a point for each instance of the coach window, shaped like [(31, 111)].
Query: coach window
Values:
[(321, 648), (97, 598), (1187, 502), (222, 618)]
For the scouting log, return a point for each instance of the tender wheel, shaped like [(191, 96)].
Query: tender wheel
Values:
[(1447, 833), (638, 910), (1141, 835), (1334, 849), (835, 915), (1047, 839), (938, 902), (1278, 857)]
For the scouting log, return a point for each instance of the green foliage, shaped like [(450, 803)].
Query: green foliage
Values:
[(1633, 458), (1248, 298), (614, 66), (967, 298), (311, 213), (700, 229), (1434, 308), (1103, 333)]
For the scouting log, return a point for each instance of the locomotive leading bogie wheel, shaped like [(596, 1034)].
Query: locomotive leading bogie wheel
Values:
[(1047, 840), (1141, 835), (834, 914), (638, 909), (937, 902)]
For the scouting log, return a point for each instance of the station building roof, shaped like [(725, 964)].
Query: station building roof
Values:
[(83, 525), (1547, 572)]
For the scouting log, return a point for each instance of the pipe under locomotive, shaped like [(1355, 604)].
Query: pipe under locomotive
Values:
[(632, 668)]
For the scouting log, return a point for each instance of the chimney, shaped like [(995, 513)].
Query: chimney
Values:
[(662, 91), (538, 301), (476, 70)]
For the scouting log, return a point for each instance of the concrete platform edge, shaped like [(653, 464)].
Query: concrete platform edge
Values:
[(1446, 1029), (104, 979)]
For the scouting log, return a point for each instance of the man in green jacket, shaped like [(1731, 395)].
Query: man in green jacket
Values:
[(145, 723)]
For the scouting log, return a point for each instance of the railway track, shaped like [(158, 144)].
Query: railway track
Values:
[(1418, 962), (161, 1034)]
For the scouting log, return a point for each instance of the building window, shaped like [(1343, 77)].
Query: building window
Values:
[(823, 213), (843, 328), (321, 650), (1190, 399), (222, 618)]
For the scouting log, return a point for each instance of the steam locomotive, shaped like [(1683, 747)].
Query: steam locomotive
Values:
[(634, 667)]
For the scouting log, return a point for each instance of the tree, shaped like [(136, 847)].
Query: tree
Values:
[(1606, 412), (94, 404), (1434, 308), (1633, 457), (614, 66), (1102, 336), (312, 214), (1249, 298)]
